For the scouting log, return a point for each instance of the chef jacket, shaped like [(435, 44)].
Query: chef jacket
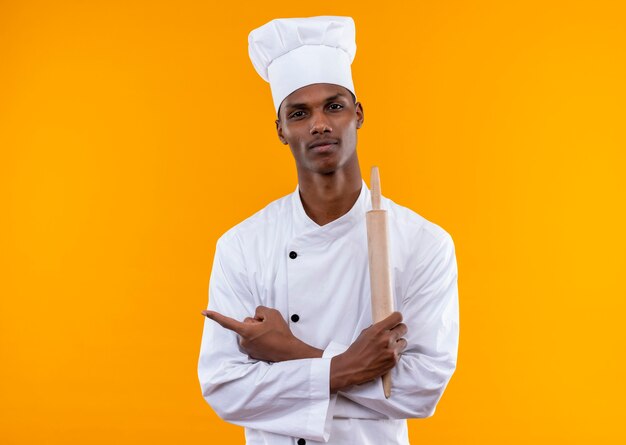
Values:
[(318, 278)]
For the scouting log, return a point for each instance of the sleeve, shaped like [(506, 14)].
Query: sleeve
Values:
[(430, 310), (290, 398)]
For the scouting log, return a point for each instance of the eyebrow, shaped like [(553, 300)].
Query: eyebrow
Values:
[(328, 99)]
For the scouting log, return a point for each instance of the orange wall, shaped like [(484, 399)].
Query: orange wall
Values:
[(131, 137)]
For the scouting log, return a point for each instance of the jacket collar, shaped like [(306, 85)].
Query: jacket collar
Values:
[(304, 225)]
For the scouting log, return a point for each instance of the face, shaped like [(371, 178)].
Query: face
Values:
[(320, 122)]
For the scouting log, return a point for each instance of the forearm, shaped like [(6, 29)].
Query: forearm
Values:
[(296, 349), (268, 397), (375, 352), (426, 366), (418, 382), (345, 371), (342, 372)]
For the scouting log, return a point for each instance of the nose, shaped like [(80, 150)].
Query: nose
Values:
[(320, 124)]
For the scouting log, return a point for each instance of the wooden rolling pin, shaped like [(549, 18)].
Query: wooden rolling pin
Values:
[(380, 265)]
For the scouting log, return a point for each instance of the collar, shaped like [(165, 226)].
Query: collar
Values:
[(304, 225)]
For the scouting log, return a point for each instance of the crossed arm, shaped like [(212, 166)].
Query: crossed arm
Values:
[(257, 374), (267, 337)]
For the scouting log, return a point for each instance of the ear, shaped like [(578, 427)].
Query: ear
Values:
[(360, 116), (279, 131)]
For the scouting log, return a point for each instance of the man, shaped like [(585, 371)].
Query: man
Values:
[(290, 351)]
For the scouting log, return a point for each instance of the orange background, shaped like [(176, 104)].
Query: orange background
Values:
[(133, 134)]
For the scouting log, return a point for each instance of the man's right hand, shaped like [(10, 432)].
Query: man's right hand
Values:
[(267, 336), (376, 350)]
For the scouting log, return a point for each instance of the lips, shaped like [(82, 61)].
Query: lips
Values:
[(323, 143)]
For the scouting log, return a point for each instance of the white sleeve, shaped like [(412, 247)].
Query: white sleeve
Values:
[(290, 398), (430, 311)]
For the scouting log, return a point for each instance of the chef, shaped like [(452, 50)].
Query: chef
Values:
[(289, 350)]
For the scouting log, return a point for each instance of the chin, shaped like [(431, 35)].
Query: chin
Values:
[(327, 165), (326, 168)]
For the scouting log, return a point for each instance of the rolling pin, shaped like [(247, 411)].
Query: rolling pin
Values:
[(379, 263)]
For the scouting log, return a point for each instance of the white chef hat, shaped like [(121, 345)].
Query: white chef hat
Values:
[(293, 53)]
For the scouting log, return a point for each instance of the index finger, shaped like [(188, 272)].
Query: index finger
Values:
[(391, 321), (224, 321)]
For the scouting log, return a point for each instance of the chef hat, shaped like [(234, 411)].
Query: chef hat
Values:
[(293, 53)]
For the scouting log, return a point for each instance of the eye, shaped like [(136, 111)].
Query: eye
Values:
[(296, 114), (335, 106)]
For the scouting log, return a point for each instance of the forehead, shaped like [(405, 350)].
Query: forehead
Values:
[(317, 92)]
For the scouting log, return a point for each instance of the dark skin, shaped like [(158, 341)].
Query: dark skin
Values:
[(267, 337), (329, 178), (319, 122)]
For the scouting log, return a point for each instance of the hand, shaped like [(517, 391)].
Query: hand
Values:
[(267, 336), (376, 350)]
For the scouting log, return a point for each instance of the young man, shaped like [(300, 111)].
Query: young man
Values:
[(290, 352)]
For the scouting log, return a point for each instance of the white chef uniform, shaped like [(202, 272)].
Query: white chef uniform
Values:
[(318, 278)]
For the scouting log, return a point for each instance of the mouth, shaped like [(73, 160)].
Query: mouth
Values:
[(323, 145)]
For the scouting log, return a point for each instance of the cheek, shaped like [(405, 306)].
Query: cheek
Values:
[(293, 135), (350, 132), (295, 143)]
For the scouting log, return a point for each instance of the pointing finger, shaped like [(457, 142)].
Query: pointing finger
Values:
[(225, 322)]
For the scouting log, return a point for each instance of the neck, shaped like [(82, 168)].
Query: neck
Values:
[(326, 197)]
